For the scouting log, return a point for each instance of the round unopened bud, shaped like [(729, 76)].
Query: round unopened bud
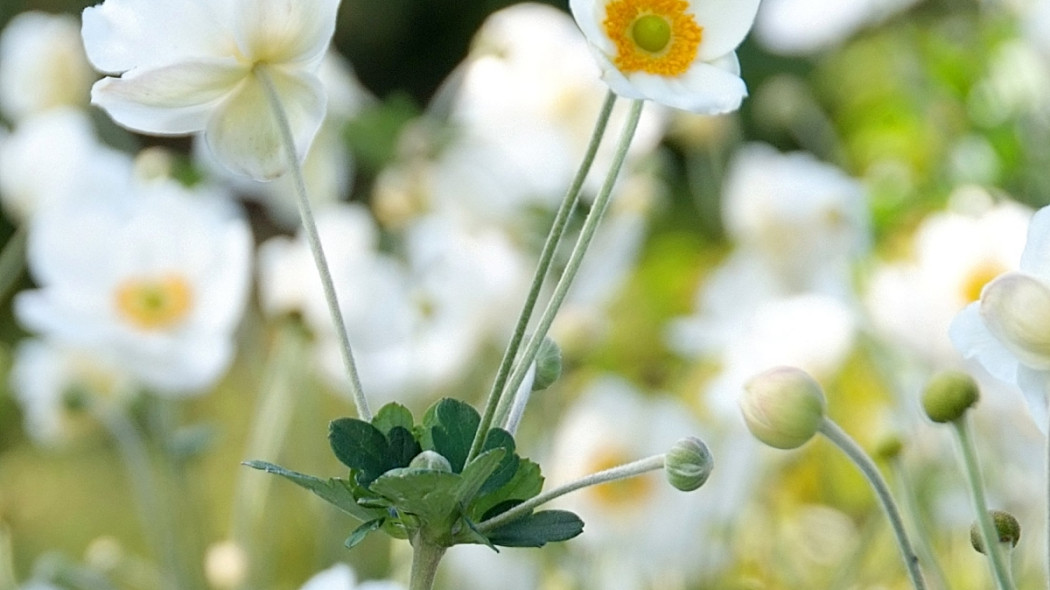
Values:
[(548, 365), (431, 460), (888, 446), (1006, 527), (688, 464), (949, 395), (783, 407)]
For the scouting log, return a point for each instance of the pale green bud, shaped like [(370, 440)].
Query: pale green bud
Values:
[(688, 464), (430, 460), (1006, 527), (949, 395), (548, 365), (783, 407)]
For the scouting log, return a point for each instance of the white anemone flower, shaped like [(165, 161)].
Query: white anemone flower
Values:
[(157, 280), (1008, 329), (42, 65), (680, 53), (189, 66)]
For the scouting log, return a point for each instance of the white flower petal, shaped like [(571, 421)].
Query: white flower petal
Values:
[(243, 134), (1035, 385), (589, 14), (173, 99), (1035, 259), (1016, 309), (707, 88), (725, 24), (972, 339), (285, 31), (123, 34)]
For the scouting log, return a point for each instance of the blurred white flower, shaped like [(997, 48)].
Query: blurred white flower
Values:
[(187, 67), (807, 220), (342, 577), (799, 27), (156, 280), (53, 158), (47, 379), (642, 529), (42, 65), (680, 53), (912, 302), (1007, 329)]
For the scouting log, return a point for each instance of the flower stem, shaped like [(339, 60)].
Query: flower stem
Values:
[(852, 450), (613, 474), (984, 520), (922, 544), (561, 219), (313, 238), (590, 226), (425, 559)]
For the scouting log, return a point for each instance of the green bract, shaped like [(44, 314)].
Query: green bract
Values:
[(413, 480)]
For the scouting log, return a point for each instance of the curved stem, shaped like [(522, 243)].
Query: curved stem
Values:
[(314, 240), (614, 474), (561, 219), (922, 544), (852, 450), (984, 520), (590, 226)]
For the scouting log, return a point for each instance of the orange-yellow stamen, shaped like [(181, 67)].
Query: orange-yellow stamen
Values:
[(652, 36), (154, 303)]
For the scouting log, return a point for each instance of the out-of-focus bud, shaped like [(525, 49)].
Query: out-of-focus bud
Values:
[(688, 464), (783, 407), (430, 460), (1006, 527), (949, 395), (548, 365)]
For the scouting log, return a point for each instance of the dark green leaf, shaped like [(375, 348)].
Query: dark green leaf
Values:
[(429, 495), (391, 415), (537, 529), (360, 446), (403, 447), (526, 483), (477, 472), (471, 534), (334, 491), (362, 531), (453, 433), (499, 438)]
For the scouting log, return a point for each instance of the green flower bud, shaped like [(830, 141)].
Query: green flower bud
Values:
[(688, 464), (430, 460), (888, 446), (783, 407), (949, 395), (548, 365), (1006, 526)]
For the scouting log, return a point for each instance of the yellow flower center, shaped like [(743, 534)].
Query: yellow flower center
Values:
[(652, 36), (154, 303), (977, 278)]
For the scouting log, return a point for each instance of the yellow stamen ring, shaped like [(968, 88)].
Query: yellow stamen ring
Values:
[(653, 36), (154, 303)]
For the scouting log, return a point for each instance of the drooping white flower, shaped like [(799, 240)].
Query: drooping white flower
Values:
[(42, 65), (680, 53), (157, 280), (1007, 329), (186, 66)]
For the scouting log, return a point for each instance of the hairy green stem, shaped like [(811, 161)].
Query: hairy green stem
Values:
[(984, 520), (313, 238), (608, 475), (922, 544), (590, 226), (550, 246), (425, 559), (852, 450)]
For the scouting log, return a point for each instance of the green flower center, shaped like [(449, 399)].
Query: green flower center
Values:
[(651, 33)]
